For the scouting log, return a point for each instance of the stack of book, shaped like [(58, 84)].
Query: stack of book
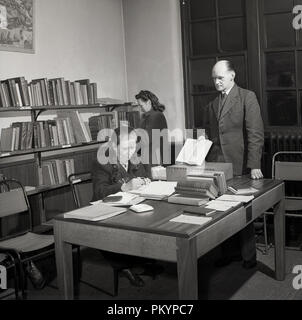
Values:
[(217, 177), (17, 92), (188, 199), (198, 188), (57, 171), (67, 129)]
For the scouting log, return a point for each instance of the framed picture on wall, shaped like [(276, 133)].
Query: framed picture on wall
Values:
[(17, 25)]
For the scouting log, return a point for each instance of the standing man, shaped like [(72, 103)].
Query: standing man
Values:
[(234, 124)]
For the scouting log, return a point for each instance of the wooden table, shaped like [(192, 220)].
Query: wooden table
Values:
[(152, 235)]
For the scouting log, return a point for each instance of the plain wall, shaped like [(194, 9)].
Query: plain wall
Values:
[(154, 54), (75, 39)]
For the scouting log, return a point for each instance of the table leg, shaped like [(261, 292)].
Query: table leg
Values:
[(187, 269), (279, 230), (64, 263)]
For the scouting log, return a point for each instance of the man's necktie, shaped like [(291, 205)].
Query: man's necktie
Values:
[(223, 98)]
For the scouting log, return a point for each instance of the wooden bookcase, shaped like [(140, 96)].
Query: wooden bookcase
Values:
[(34, 174)]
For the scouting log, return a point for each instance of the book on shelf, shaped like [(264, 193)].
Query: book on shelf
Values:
[(81, 133), (18, 92), (67, 129), (7, 102), (21, 91), (17, 137), (85, 92), (95, 213), (101, 122), (42, 89), (57, 171)]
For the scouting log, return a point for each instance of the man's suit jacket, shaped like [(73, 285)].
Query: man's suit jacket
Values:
[(238, 130)]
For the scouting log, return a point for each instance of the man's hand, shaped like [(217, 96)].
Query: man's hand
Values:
[(256, 174)]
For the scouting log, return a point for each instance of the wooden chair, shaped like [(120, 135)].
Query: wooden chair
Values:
[(16, 236), (82, 191), (289, 170)]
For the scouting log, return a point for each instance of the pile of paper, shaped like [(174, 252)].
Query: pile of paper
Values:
[(238, 198), (95, 213), (228, 201)]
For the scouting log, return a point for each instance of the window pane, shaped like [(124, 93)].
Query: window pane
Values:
[(204, 38), (277, 5), (200, 102), (201, 75), (202, 9), (282, 108), (233, 34), (240, 68), (279, 31), (231, 7), (280, 69)]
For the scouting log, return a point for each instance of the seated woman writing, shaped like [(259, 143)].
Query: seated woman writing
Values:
[(114, 171)]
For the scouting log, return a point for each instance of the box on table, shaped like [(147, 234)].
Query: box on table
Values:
[(180, 171)]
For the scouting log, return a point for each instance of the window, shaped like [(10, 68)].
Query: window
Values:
[(281, 64), (209, 24), (258, 37)]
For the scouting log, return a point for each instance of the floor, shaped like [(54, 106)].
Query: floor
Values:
[(228, 283)]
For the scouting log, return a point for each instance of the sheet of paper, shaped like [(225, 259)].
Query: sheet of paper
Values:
[(191, 219), (235, 197)]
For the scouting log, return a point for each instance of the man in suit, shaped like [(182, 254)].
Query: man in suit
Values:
[(234, 124)]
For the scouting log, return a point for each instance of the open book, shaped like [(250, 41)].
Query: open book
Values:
[(194, 151), (156, 190), (95, 213), (121, 199)]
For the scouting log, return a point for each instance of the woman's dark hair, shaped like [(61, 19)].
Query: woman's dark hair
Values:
[(146, 95)]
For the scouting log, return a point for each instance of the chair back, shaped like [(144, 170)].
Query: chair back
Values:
[(15, 213), (291, 173), (287, 170), (81, 187)]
